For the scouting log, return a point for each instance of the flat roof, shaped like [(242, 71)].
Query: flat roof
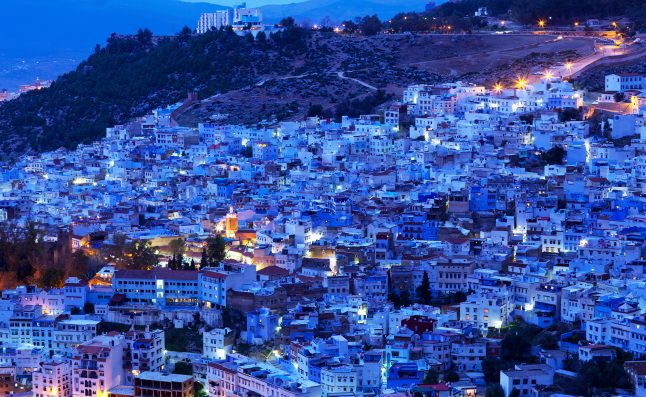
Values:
[(158, 376)]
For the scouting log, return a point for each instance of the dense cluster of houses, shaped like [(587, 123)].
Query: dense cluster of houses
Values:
[(362, 255)]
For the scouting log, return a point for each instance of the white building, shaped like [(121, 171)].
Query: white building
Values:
[(487, 310), (146, 352), (161, 286), (98, 366), (213, 20), (71, 333), (468, 356), (214, 283), (624, 81), (241, 376), (52, 378), (524, 377), (338, 381), (217, 343)]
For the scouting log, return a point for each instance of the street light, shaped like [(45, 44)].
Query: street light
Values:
[(497, 88), (548, 74), (521, 83), (541, 23)]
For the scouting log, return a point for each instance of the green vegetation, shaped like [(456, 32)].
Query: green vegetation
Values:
[(138, 255), (369, 25), (26, 258), (424, 289), (134, 74), (184, 367), (494, 390), (598, 376), (516, 345), (187, 339), (459, 14), (105, 326), (554, 155), (431, 377)]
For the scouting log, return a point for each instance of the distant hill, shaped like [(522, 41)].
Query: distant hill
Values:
[(315, 11)]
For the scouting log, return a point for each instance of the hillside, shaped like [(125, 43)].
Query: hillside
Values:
[(554, 11), (277, 78)]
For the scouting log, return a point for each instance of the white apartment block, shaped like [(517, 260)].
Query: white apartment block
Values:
[(217, 343), (160, 286), (98, 366), (624, 81), (214, 283), (53, 378), (468, 356), (71, 333), (341, 380), (213, 20), (524, 377), (146, 352), (486, 311)]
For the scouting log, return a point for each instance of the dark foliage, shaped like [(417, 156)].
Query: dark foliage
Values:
[(554, 156), (134, 74)]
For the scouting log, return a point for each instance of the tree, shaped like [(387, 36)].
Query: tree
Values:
[(144, 36), (261, 37), (287, 22), (370, 25), (514, 393), (546, 340), (451, 376), (619, 96), (141, 255), (404, 298), (185, 33), (247, 151), (491, 367), (569, 114), (494, 390), (204, 261), (183, 368), (116, 251), (350, 26), (216, 249), (199, 390), (554, 156), (79, 265), (516, 345), (177, 246), (527, 118), (315, 110), (88, 308), (431, 377), (53, 278), (607, 129), (424, 289)]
